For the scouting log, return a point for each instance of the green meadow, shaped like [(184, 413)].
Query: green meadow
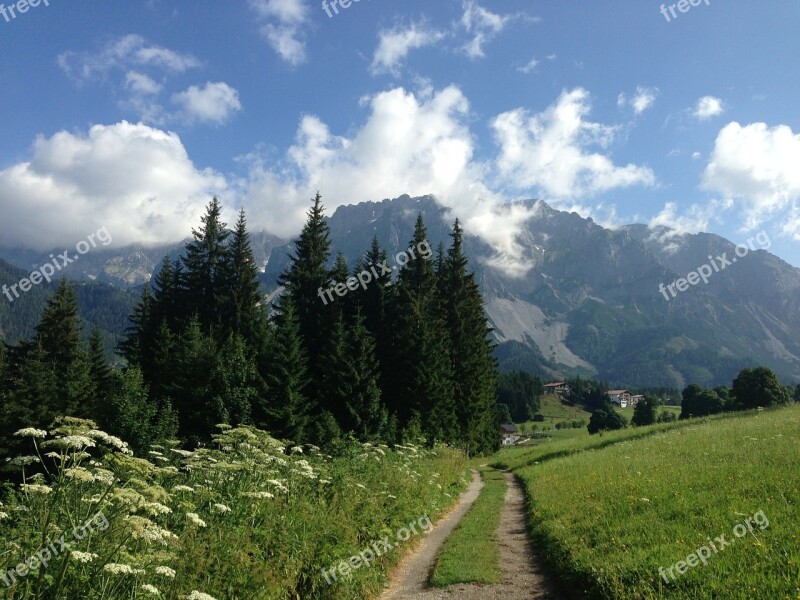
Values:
[(608, 512)]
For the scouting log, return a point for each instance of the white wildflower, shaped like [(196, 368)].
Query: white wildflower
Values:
[(165, 572), (183, 488), (185, 453), (109, 440), (3, 515), (79, 474), (31, 432), (221, 509), (71, 442), (36, 489), (120, 569), (23, 461), (260, 495), (195, 595), (297, 450), (156, 508), (83, 557), (150, 589), (195, 518)]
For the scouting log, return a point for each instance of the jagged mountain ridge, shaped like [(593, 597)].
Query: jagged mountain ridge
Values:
[(589, 305), (591, 302)]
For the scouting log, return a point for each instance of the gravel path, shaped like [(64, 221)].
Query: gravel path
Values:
[(523, 575)]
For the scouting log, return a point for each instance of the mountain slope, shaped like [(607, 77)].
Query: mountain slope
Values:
[(590, 304)]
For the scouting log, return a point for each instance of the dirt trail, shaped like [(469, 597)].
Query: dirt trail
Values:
[(522, 574)]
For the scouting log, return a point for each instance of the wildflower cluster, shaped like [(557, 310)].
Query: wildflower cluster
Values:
[(192, 523)]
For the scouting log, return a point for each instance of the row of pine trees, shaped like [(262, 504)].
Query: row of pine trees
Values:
[(407, 356)]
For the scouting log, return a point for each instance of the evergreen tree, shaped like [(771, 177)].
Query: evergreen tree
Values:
[(366, 414), (373, 302), (305, 281), (59, 332), (521, 392), (100, 372), (206, 261), (333, 370), (644, 413), (244, 288), (138, 337), (235, 381), (797, 393), (473, 363), (161, 362), (420, 386), (190, 387), (133, 416), (339, 275), (50, 375), (285, 410)]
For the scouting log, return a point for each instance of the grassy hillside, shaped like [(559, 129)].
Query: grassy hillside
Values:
[(640, 505)]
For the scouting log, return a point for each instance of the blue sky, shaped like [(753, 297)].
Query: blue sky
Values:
[(130, 115)]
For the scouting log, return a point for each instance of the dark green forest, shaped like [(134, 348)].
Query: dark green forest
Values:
[(405, 356)]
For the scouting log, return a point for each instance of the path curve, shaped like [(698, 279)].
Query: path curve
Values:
[(523, 576)]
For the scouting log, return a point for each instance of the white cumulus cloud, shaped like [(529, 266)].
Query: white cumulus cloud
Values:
[(123, 53), (483, 26), (135, 180), (395, 44), (283, 25), (415, 144), (642, 99), (708, 107), (550, 151), (757, 166), (213, 103)]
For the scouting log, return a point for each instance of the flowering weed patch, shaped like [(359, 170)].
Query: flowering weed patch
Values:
[(247, 517)]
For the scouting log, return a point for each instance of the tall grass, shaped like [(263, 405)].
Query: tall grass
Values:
[(607, 520), (243, 518)]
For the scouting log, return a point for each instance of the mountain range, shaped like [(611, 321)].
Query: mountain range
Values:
[(595, 302)]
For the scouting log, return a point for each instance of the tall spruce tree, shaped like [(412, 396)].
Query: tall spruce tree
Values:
[(421, 377), (51, 375), (137, 343), (206, 262), (285, 409), (190, 387), (305, 281), (244, 293), (373, 302), (101, 374), (472, 360)]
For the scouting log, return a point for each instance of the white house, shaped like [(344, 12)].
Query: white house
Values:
[(620, 397), (508, 434)]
